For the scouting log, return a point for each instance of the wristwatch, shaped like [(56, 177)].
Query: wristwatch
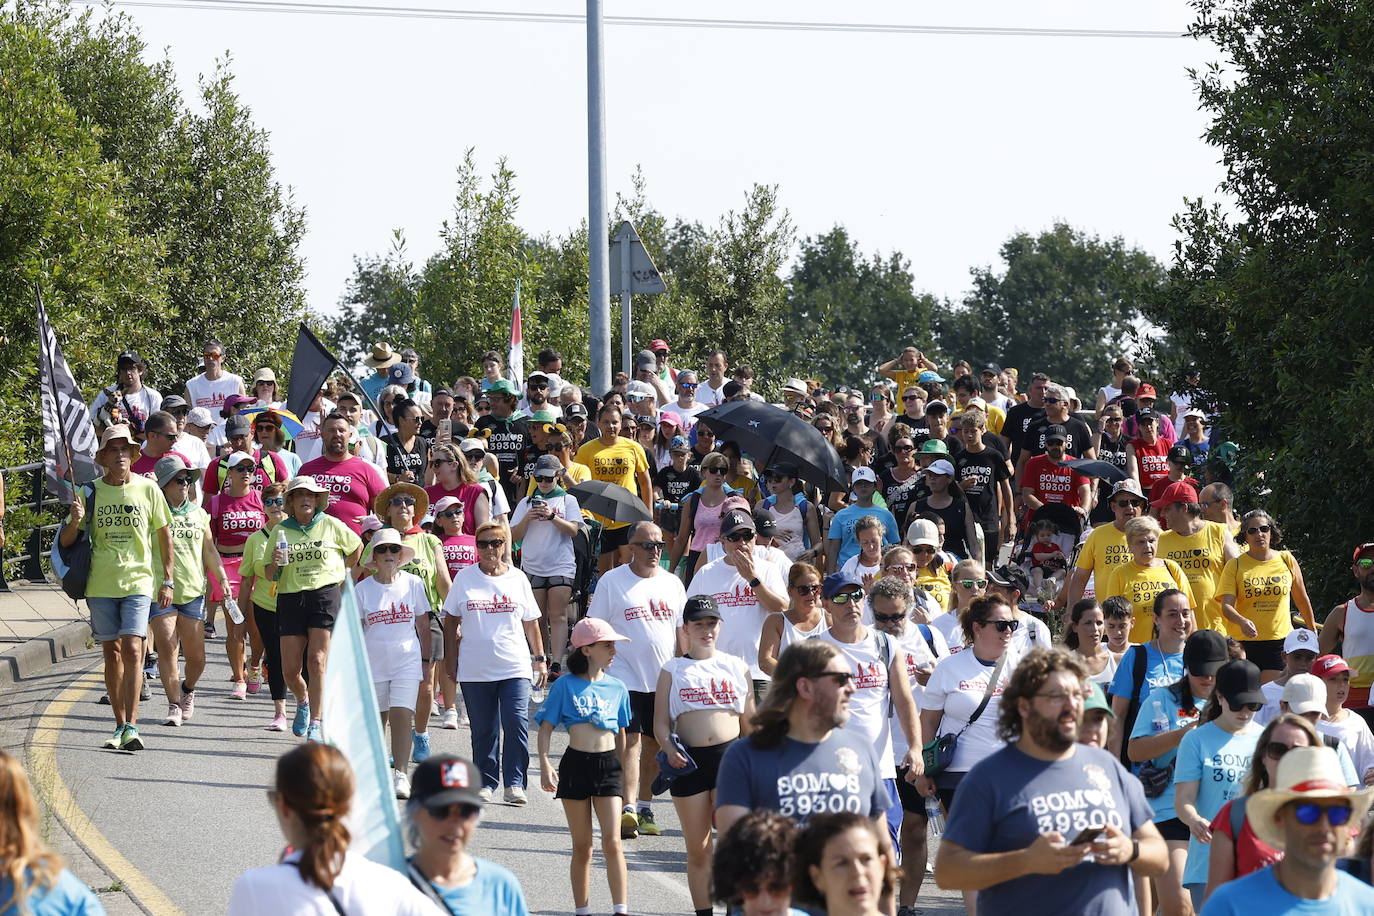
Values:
[(539, 658), (754, 582), (168, 583), (1135, 851)]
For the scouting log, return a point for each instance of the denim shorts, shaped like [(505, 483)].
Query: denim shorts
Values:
[(194, 609), (112, 618)]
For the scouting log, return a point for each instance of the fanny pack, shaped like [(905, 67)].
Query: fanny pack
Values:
[(939, 754), (1156, 780)]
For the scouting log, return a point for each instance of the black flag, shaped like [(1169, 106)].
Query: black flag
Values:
[(69, 440), (311, 366)]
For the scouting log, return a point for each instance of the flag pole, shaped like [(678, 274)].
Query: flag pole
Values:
[(361, 390), (46, 357)]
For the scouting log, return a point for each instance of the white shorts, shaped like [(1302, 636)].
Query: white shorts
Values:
[(396, 694)]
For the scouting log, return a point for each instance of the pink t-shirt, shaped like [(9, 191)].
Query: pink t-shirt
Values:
[(145, 464), (466, 494), (353, 484), (217, 475), (234, 518), (460, 550)]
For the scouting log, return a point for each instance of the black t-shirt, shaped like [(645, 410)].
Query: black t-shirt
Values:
[(398, 460), (920, 429), (507, 440), (1080, 438), (988, 469), (430, 431), (956, 529), (677, 484), (900, 493), (1019, 418)]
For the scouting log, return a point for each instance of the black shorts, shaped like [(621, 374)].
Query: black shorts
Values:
[(641, 713), (436, 640), (703, 779), (582, 775), (538, 582), (913, 802), (1267, 654), (314, 609), (613, 539), (946, 784), (1174, 829)]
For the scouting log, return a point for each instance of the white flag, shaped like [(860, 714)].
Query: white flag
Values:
[(69, 440)]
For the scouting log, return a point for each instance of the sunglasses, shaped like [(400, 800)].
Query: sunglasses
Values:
[(274, 501), (440, 462), (740, 536), (445, 812), (1050, 400), (826, 429), (841, 678), (1275, 750), (474, 456), (551, 428), (403, 500), (889, 618), (1259, 529), (1309, 813), (777, 478), (691, 385), (386, 548), (542, 478), (496, 542), (1364, 562), (184, 481), (973, 583), (652, 546), (243, 468), (213, 355), (929, 550), (538, 386), (715, 470), (1003, 626), (1125, 503), (909, 567), (912, 397), (904, 448), (847, 597), (806, 589), (451, 513)]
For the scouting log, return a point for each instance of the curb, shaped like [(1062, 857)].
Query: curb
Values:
[(32, 657)]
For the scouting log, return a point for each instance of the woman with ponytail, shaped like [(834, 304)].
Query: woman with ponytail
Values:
[(32, 879), (318, 875)]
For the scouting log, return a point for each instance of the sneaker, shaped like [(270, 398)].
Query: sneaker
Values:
[(173, 714), (130, 740), (436, 710), (104, 700), (419, 746), (515, 795), (112, 743), (315, 733), (145, 694), (450, 719), (254, 680), (240, 690), (150, 665), (647, 827), (486, 794), (302, 718), (629, 825), (278, 723), (188, 703), (401, 782)]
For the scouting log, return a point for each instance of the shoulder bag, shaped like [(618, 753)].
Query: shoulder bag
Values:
[(938, 754)]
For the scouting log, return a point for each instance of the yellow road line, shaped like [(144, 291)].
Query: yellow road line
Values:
[(43, 769)]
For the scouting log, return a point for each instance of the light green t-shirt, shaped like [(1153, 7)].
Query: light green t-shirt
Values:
[(257, 553), (429, 553), (314, 555), (190, 528), (125, 559)]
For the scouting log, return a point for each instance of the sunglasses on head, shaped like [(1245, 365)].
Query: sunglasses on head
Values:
[(740, 536), (1309, 813), (387, 548), (494, 542), (1003, 626), (847, 597), (403, 500), (1364, 562), (973, 583), (1259, 529)]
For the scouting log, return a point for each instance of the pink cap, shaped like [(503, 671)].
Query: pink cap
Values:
[(668, 416), (1329, 666), (592, 630), (371, 523), (447, 502)]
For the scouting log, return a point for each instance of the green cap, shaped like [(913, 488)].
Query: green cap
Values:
[(934, 447), (1098, 700), (503, 386), (543, 416)]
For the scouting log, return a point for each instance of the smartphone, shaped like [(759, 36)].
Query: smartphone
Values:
[(1087, 835), (446, 429)]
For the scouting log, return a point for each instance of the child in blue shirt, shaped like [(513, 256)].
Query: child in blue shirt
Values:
[(595, 707)]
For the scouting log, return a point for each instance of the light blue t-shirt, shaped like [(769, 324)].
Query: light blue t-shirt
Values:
[(1144, 725), (1261, 892), (842, 529), (1217, 761), (1160, 671), (493, 891), (604, 703), (67, 897)]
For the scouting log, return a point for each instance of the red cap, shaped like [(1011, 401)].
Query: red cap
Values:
[(1329, 666), (659, 345), (1180, 491), (1146, 391), (1361, 550)]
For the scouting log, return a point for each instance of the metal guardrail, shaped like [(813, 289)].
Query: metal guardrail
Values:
[(32, 559)]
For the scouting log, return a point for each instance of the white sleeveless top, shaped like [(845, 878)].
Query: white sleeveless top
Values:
[(791, 634), (1357, 647), (869, 702), (789, 523), (720, 682)]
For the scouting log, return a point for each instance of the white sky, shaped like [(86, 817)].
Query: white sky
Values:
[(938, 146)]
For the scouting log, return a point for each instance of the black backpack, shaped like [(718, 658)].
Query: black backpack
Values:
[(78, 555)]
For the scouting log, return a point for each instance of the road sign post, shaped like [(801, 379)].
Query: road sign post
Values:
[(636, 273)]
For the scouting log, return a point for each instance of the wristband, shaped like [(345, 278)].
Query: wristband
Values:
[(1135, 851), (754, 582)]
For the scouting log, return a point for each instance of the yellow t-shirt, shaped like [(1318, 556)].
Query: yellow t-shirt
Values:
[(257, 553), (936, 583), (904, 379), (125, 558), (1103, 551), (189, 531), (1202, 557), (315, 556), (1261, 589), (997, 417), (576, 474), (1139, 585), (620, 464)]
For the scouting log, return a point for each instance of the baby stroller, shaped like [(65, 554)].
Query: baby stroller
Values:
[(1070, 526)]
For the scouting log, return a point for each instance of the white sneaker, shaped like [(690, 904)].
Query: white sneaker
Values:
[(436, 710), (515, 795), (402, 783), (450, 719), (486, 794), (173, 715)]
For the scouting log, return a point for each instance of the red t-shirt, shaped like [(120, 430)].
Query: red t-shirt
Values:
[(353, 485), (1152, 460), (460, 551), (1251, 852), (466, 494), (234, 518), (1052, 483)]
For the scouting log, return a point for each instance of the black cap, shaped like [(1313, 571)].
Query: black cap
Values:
[(991, 367), (129, 358), (1010, 577), (937, 406), (699, 607), (1204, 653), (731, 389), (445, 779), (1180, 454), (575, 410), (1238, 681), (764, 523), (783, 469), (444, 389), (735, 521), (1055, 431), (1144, 414), (238, 425)]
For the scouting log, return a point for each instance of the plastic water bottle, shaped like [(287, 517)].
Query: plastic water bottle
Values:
[(281, 540), (935, 818), (1160, 720), (231, 607)]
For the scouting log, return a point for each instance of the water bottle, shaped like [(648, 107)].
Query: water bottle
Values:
[(231, 607), (935, 818), (1160, 720), (281, 540)]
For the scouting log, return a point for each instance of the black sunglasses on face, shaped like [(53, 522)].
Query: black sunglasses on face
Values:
[(889, 618), (740, 536), (806, 589), (445, 812), (184, 481), (403, 500), (1259, 529), (387, 548), (543, 478), (243, 468), (653, 546), (451, 513), (1003, 626), (841, 678), (492, 543)]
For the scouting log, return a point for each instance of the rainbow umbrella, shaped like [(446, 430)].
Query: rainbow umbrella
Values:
[(290, 422)]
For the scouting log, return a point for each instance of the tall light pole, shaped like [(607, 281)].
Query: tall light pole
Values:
[(599, 295)]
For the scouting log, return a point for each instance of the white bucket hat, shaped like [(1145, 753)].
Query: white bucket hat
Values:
[(387, 536)]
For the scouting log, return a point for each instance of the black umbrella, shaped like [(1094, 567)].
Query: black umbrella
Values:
[(1103, 469), (610, 501), (770, 434)]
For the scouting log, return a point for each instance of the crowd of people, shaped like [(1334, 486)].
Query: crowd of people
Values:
[(1031, 625)]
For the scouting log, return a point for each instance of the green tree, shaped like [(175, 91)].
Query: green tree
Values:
[(1067, 303), (1271, 295), (378, 303), (850, 314)]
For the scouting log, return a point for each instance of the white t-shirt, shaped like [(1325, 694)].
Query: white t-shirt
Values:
[(915, 652), (309, 444), (688, 414), (389, 612), (773, 555), (1273, 693), (143, 403), (719, 682), (1031, 634), (363, 886), (856, 568), (948, 626), (868, 704), (957, 687), (648, 609), (711, 396), (1355, 735), (492, 611), (193, 447), (742, 615), (211, 395), (546, 551)]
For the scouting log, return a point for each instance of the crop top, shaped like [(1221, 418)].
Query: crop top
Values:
[(604, 703), (719, 682)]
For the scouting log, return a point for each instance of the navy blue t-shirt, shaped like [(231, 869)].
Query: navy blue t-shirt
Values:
[(799, 779), (1008, 799)]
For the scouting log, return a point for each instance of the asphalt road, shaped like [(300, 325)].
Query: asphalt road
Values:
[(173, 825)]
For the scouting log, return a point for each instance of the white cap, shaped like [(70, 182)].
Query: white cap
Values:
[(472, 445), (199, 416), (923, 533), (941, 466), (237, 457), (863, 473), (1300, 639), (795, 385), (638, 389), (1305, 693)]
